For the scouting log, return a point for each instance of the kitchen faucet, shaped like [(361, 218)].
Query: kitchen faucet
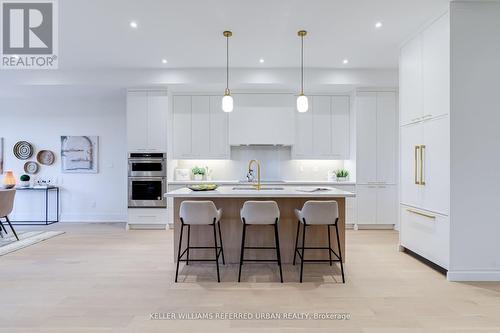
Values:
[(250, 175)]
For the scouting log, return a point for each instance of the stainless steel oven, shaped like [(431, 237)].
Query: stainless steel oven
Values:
[(146, 192), (147, 165), (147, 180)]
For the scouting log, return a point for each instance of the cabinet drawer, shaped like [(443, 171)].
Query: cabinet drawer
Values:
[(147, 216), (426, 233)]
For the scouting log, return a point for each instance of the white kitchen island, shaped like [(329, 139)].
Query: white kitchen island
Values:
[(231, 199)]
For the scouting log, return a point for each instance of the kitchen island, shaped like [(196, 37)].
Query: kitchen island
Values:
[(231, 199)]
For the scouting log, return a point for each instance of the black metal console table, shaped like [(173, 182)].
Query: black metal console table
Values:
[(46, 191)]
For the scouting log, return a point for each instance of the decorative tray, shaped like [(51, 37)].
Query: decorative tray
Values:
[(202, 187)]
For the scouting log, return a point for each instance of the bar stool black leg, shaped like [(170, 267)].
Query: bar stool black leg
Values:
[(3, 227), (329, 246), (179, 252), (303, 248), (242, 249), (216, 256), (221, 247), (11, 227), (340, 251), (189, 238), (296, 242), (278, 253)]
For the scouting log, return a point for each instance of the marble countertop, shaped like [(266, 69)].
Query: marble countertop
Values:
[(273, 191)]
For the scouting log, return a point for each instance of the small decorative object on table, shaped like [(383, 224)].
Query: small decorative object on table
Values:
[(208, 173), (203, 187), (24, 181), (198, 173), (9, 181), (342, 175)]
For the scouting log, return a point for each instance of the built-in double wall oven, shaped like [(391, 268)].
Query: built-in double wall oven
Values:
[(147, 180)]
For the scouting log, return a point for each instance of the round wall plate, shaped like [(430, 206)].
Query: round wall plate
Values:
[(31, 167), (23, 150), (45, 157)]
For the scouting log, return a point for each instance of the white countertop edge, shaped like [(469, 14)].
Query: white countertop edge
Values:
[(228, 192)]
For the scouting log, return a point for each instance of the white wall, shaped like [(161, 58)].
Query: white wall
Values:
[(475, 141), (41, 121)]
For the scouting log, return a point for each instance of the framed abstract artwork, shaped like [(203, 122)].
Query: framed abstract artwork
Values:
[(79, 154)]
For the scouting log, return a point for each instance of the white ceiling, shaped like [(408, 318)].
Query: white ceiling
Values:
[(96, 33)]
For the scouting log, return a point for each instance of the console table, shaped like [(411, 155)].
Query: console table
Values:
[(45, 191)]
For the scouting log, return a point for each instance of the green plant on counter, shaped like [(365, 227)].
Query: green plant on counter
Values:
[(198, 171), (342, 173), (25, 178)]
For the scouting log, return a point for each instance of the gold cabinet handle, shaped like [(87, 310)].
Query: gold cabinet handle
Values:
[(422, 156), (433, 217), (417, 148)]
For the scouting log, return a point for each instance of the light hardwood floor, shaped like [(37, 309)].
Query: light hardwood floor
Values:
[(100, 278)]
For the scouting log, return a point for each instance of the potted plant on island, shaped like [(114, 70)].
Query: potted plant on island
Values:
[(198, 173), (25, 181), (342, 175)]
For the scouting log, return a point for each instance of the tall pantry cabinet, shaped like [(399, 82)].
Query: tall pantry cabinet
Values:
[(425, 143), (376, 158)]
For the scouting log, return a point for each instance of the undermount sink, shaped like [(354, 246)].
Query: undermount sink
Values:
[(251, 188)]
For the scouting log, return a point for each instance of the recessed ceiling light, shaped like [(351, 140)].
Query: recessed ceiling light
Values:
[(378, 25), (164, 61), (345, 61), (261, 60), (133, 24)]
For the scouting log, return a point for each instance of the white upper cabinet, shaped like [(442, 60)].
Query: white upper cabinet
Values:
[(377, 139), (200, 128), (323, 131), (410, 81), (265, 119), (424, 68), (366, 137), (147, 113), (387, 137), (436, 68), (181, 119), (341, 110)]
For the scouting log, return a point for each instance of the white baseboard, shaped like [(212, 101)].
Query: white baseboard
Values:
[(462, 276), (93, 218)]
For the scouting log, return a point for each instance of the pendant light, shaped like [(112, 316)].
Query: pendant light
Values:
[(302, 102), (227, 100)]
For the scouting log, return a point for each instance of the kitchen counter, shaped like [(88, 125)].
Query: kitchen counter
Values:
[(268, 191), (231, 200)]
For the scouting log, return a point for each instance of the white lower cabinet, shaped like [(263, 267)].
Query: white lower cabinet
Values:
[(147, 218), (426, 233), (376, 204)]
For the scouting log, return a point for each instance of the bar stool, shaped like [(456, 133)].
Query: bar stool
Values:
[(318, 213), (200, 213), (260, 213)]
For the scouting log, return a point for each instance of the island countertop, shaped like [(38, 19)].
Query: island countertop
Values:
[(266, 192)]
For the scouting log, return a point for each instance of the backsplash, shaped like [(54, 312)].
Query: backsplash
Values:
[(276, 164)]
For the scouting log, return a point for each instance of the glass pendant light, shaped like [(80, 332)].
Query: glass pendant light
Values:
[(302, 102), (227, 100)]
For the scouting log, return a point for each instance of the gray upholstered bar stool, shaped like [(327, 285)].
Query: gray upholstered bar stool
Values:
[(200, 213), (6, 205), (261, 213), (318, 213)]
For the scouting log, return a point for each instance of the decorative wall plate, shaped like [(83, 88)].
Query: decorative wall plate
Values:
[(45, 157), (31, 168), (23, 150)]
